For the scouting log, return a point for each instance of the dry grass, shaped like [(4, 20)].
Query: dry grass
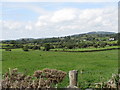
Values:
[(46, 78)]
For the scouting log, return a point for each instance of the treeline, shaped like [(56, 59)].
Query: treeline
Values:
[(67, 39), (68, 42)]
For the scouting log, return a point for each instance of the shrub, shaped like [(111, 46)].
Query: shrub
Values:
[(103, 45), (95, 45), (47, 47), (25, 48), (36, 48), (118, 42), (7, 49), (70, 46)]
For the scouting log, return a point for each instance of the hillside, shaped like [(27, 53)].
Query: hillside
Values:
[(90, 39), (94, 34), (100, 32)]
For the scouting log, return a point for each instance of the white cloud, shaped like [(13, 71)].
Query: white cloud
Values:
[(45, 17), (28, 27), (64, 15), (66, 21), (11, 25), (40, 24)]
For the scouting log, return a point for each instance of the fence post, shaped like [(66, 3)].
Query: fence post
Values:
[(73, 76)]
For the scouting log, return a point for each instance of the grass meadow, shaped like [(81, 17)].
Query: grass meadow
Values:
[(96, 66), (86, 49)]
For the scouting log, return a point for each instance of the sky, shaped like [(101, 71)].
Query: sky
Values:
[(56, 19)]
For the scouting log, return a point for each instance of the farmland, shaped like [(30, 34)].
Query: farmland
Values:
[(93, 54), (97, 66)]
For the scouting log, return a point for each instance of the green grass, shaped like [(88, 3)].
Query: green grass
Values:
[(85, 49), (94, 64)]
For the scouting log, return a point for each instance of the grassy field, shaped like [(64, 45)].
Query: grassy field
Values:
[(97, 66), (86, 49)]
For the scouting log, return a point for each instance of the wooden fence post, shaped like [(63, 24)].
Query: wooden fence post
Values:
[(73, 76)]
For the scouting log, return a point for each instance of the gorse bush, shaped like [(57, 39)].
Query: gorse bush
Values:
[(46, 78)]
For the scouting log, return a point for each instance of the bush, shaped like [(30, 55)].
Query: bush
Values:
[(70, 46), (36, 48), (25, 48), (95, 45), (47, 47), (103, 45), (82, 45), (7, 49), (118, 42), (51, 47)]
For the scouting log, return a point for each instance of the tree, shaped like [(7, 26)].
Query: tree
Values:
[(95, 45), (36, 48), (103, 44), (7, 49), (25, 48), (51, 46), (118, 42), (13, 42), (70, 46), (47, 47), (83, 45)]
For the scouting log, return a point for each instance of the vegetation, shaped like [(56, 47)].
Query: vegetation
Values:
[(61, 54), (97, 40), (47, 47), (96, 66), (7, 49), (46, 78), (25, 48)]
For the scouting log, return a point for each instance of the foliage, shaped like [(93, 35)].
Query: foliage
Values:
[(36, 47), (47, 47), (96, 45), (7, 49), (74, 41), (118, 42), (70, 46), (25, 48)]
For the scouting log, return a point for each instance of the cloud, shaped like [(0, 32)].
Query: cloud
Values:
[(28, 27), (82, 19), (40, 24), (11, 25), (65, 21), (64, 15)]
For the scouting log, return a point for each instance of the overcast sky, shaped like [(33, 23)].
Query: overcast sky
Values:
[(43, 19)]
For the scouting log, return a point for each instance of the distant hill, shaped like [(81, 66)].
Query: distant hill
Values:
[(103, 33), (26, 39), (74, 37), (100, 32)]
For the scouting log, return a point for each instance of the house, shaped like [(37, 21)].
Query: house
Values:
[(111, 39)]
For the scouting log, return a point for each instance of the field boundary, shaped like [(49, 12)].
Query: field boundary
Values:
[(89, 50)]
